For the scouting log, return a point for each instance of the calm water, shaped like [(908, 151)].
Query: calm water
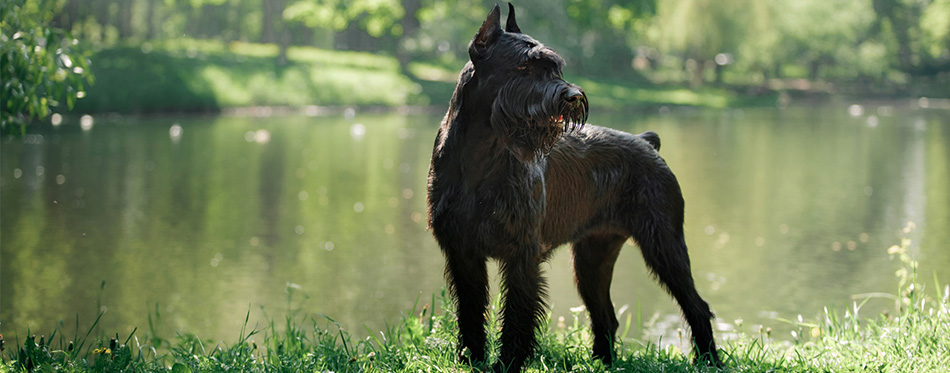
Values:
[(199, 220)]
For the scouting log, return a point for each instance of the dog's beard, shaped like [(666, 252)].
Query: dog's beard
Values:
[(532, 122), (574, 114)]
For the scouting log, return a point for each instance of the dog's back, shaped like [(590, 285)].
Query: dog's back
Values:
[(590, 174)]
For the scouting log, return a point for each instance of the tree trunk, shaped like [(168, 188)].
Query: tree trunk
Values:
[(306, 36), (895, 12), (125, 19), (239, 11), (353, 38), (410, 26), (900, 28), (814, 68), (284, 44), (67, 18), (150, 19), (211, 19), (698, 74), (267, 21), (192, 18), (103, 17)]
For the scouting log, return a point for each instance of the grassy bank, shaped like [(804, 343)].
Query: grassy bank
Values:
[(193, 75), (912, 338)]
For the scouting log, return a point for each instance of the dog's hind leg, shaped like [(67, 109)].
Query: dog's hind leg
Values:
[(468, 282), (594, 258), (658, 230), (523, 290)]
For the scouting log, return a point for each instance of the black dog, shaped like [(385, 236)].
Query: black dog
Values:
[(515, 173)]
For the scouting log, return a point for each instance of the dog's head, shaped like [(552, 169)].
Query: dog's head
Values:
[(520, 80)]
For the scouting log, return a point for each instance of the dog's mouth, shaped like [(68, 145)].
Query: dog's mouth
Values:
[(573, 110), (569, 123)]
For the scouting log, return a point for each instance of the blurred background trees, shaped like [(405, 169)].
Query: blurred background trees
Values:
[(813, 39), (876, 46)]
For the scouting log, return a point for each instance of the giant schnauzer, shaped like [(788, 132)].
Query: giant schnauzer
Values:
[(516, 173)]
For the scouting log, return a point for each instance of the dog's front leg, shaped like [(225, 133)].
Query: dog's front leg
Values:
[(468, 282), (523, 309)]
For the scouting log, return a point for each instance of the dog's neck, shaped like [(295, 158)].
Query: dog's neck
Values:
[(530, 142), (494, 157)]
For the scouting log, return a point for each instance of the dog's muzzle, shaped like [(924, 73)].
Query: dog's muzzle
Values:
[(532, 117), (574, 108)]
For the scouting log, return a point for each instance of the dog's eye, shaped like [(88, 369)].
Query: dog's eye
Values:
[(523, 67)]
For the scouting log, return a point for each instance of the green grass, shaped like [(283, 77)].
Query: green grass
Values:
[(193, 75), (913, 338), (189, 75)]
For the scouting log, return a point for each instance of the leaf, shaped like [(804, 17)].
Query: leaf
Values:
[(180, 368)]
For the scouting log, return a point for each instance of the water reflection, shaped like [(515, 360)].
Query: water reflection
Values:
[(199, 220)]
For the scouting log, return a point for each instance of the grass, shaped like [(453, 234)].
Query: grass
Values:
[(189, 75), (913, 338)]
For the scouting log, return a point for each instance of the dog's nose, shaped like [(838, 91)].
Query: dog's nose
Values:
[(573, 94)]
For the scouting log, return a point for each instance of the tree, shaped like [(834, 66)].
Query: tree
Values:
[(699, 30), (40, 65), (921, 32), (839, 45), (610, 32), (379, 18)]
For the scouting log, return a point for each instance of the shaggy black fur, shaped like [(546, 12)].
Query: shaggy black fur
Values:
[(515, 173)]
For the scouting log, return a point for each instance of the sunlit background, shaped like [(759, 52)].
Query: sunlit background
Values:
[(182, 164)]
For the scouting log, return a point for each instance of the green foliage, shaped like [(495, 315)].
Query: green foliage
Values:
[(133, 81), (837, 40), (378, 18), (40, 66), (620, 15), (184, 75), (59, 353), (839, 48), (192, 75), (917, 42), (881, 45), (935, 24)]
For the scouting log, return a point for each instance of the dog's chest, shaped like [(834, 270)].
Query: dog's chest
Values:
[(496, 212)]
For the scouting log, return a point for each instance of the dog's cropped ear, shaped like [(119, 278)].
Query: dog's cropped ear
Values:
[(512, 24), (487, 34)]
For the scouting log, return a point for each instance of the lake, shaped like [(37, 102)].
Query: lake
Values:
[(197, 221)]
